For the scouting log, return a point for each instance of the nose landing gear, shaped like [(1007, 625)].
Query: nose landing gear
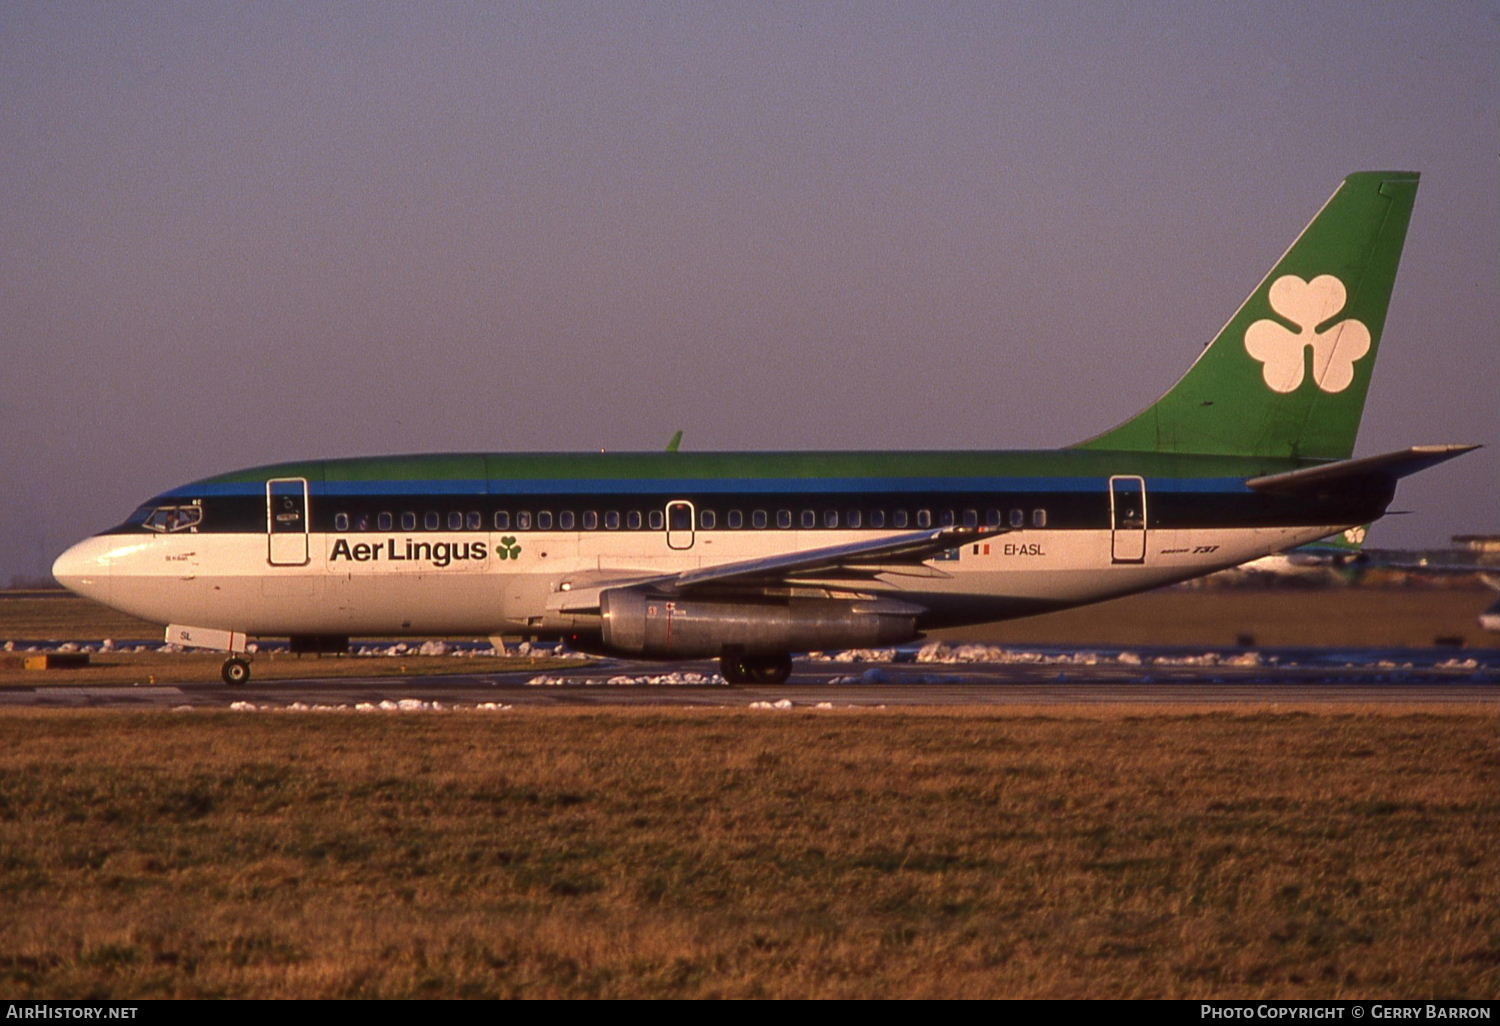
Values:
[(235, 670)]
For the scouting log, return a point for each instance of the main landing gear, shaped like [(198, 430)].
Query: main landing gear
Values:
[(235, 670), (760, 669)]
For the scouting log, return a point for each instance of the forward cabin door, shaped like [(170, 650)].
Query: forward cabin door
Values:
[(680, 517), (286, 521), (1127, 514)]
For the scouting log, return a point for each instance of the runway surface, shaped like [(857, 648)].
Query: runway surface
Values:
[(963, 675)]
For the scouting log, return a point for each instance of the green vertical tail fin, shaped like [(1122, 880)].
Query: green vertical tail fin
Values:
[(1287, 376)]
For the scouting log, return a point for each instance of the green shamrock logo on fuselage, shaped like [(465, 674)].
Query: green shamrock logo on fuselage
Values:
[(508, 549)]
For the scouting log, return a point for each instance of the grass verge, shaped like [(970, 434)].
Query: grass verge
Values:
[(122, 668), (1086, 852)]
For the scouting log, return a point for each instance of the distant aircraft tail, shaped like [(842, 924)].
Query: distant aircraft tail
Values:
[(1287, 376), (1342, 549)]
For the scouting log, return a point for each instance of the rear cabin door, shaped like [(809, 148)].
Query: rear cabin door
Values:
[(680, 524), (1127, 512), (286, 521)]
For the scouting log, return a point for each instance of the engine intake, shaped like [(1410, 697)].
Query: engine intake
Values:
[(637, 623)]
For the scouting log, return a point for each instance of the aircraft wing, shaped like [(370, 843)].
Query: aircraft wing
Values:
[(862, 560), (856, 559)]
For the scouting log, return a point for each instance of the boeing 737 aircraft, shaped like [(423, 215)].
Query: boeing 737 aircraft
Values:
[(751, 557)]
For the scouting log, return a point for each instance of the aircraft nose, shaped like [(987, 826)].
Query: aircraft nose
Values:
[(83, 571)]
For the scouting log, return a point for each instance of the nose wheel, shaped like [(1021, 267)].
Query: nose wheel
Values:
[(235, 670)]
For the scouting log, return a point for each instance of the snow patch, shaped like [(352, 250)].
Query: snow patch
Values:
[(680, 677), (856, 655), (388, 705)]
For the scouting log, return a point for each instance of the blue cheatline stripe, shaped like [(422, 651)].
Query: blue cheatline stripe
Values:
[(699, 486)]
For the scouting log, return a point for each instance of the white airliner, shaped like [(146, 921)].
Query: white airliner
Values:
[(750, 557)]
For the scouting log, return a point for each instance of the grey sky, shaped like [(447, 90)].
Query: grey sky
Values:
[(238, 233)]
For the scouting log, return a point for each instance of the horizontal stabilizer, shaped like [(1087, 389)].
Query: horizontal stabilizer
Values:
[(1389, 465)]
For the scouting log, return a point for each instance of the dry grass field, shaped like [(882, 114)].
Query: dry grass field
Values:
[(1087, 852), (69, 618), (122, 668), (1385, 616), (77, 619), (1411, 616)]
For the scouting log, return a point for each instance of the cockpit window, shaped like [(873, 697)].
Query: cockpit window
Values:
[(167, 519)]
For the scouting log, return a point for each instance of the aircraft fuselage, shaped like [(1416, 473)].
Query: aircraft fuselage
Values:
[(485, 544)]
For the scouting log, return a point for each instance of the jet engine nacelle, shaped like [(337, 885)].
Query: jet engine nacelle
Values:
[(637, 623)]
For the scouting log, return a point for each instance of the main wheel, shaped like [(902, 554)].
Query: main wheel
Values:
[(759, 669), (235, 670), (734, 669), (771, 669)]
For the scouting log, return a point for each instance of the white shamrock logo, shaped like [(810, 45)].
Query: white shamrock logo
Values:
[(1334, 351)]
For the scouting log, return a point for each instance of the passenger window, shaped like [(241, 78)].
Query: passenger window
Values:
[(706, 519), (877, 518), (758, 520), (612, 520), (830, 518), (633, 520), (591, 520), (899, 518), (809, 519), (924, 518), (523, 520), (783, 518), (474, 521), (455, 521), (431, 520), (946, 518), (502, 520), (1018, 518), (408, 521), (852, 517), (341, 521), (993, 518), (1038, 518), (655, 519), (971, 518), (544, 520), (736, 520), (385, 521), (565, 520)]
